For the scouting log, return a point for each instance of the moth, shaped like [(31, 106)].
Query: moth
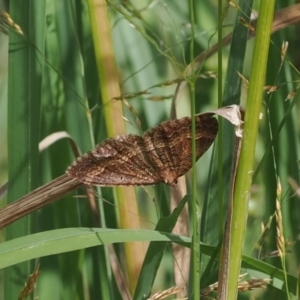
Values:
[(162, 154)]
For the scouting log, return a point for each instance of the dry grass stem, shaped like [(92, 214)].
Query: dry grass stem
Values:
[(243, 286), (279, 227), (30, 284), (271, 88), (294, 185), (265, 229), (181, 255), (6, 20), (252, 284), (167, 293), (118, 274), (291, 95), (284, 48), (249, 26), (38, 198)]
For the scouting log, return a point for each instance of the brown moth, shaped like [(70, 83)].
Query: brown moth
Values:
[(163, 154)]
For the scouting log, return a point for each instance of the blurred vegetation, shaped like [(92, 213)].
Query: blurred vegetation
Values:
[(54, 84)]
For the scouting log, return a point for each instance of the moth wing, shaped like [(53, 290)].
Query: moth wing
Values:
[(114, 162)]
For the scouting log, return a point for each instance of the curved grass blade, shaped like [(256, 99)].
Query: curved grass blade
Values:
[(69, 239)]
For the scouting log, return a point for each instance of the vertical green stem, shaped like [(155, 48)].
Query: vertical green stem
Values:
[(220, 93), (195, 206), (245, 167)]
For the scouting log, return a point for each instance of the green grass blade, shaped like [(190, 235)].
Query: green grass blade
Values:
[(155, 253), (69, 239), (24, 102)]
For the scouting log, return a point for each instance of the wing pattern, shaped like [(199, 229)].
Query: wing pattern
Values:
[(162, 155)]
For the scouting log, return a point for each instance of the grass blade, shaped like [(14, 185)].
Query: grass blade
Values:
[(155, 253), (24, 102)]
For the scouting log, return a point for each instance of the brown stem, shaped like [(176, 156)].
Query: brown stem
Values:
[(38, 198)]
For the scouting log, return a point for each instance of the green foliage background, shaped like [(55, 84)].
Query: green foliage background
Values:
[(53, 85)]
